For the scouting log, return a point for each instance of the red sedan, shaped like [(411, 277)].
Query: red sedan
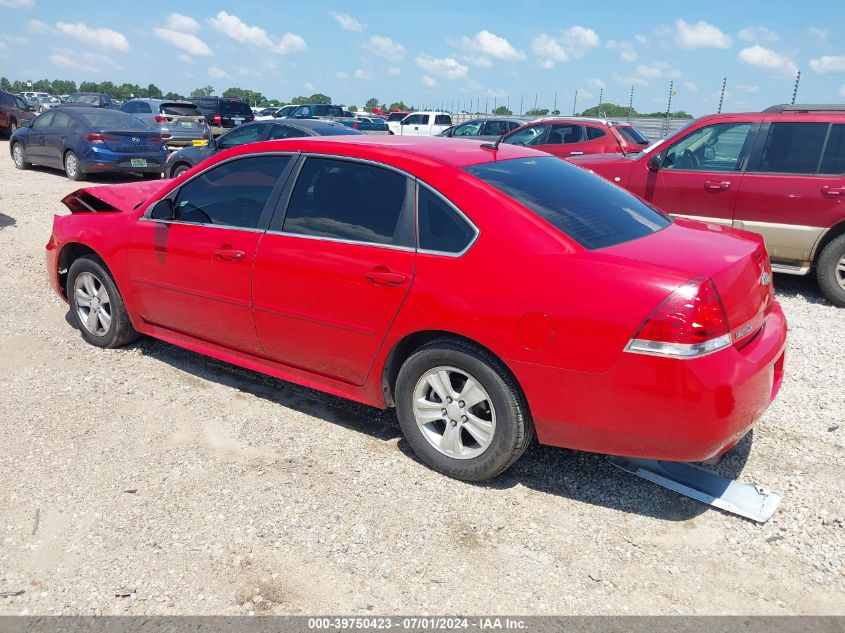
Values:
[(485, 294)]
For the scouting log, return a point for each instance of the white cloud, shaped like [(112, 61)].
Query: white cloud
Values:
[(757, 34), (104, 38), (749, 88), (828, 64), (595, 83), (428, 81), (691, 86), (62, 61), (641, 39), (491, 45), (478, 60), (18, 4), (628, 55), (37, 26), (573, 43), (363, 74), (309, 86), (217, 73), (88, 62), (342, 74), (384, 47), (394, 71), (657, 70), (188, 42), (187, 59), (818, 35), (348, 23), (233, 27), (763, 57), (182, 23), (446, 67), (700, 35)]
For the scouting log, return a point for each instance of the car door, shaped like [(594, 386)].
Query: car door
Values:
[(564, 140), (193, 273), (416, 125), (335, 267), (700, 174), (36, 151), (794, 186), (56, 137)]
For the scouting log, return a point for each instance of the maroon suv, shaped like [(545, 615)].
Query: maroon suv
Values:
[(780, 172), (13, 110)]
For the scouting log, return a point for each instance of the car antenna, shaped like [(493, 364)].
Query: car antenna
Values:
[(493, 146)]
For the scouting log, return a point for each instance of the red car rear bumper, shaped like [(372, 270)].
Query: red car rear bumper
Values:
[(660, 408)]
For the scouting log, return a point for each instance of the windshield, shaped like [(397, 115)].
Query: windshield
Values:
[(113, 120), (581, 205), (631, 134)]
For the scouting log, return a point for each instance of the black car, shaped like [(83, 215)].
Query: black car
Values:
[(484, 129), (180, 162), (90, 100), (223, 113)]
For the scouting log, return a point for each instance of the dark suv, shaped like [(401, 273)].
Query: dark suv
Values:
[(13, 110), (90, 100), (223, 113), (780, 173)]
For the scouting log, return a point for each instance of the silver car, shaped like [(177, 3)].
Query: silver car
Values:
[(181, 123)]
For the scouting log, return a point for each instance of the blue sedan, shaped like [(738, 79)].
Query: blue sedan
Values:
[(85, 141)]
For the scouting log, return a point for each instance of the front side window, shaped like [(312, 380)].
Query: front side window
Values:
[(21, 104), (441, 228), (710, 148), (793, 148), (231, 194), (240, 136), (565, 133), (471, 128), (529, 135), (350, 201), (442, 119), (581, 205)]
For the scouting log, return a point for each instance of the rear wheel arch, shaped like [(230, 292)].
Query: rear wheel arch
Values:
[(831, 234)]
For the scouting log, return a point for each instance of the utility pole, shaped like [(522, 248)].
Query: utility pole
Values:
[(722, 96), (575, 102), (486, 105), (601, 95), (554, 107), (521, 98), (795, 92), (535, 101), (495, 100), (631, 104), (668, 108)]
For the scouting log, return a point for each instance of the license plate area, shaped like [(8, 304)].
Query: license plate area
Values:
[(138, 162)]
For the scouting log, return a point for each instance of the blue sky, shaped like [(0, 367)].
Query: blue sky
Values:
[(431, 52)]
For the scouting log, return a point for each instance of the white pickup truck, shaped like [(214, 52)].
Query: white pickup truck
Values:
[(421, 124)]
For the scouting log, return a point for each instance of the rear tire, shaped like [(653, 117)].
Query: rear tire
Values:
[(486, 427), (96, 305), (13, 126), (830, 271), (19, 157), (73, 170)]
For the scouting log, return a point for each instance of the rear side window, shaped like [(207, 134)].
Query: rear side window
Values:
[(442, 119), (587, 208), (594, 132), (231, 194), (496, 128), (793, 148), (441, 228), (565, 133), (350, 201), (833, 161), (179, 109), (62, 119)]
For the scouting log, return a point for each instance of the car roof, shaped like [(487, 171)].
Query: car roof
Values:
[(454, 152)]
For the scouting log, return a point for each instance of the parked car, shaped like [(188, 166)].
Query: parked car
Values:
[(341, 263), (180, 122), (85, 141), (421, 124), (780, 172), (574, 136), (13, 111), (367, 125), (316, 110), (276, 113), (90, 100), (223, 113), (484, 129), (180, 162)]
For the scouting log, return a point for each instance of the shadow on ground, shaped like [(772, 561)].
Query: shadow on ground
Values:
[(6, 220), (804, 286), (583, 477), (95, 179)]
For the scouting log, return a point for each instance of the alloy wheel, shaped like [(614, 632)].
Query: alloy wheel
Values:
[(93, 304), (17, 155), (71, 165), (840, 272), (454, 413)]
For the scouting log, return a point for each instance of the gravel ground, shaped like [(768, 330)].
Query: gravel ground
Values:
[(195, 487)]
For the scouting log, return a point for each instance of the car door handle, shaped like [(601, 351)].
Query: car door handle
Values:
[(229, 254), (576, 153), (384, 277), (717, 185), (833, 192)]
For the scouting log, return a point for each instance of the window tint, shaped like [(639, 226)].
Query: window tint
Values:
[(529, 135), (179, 109), (20, 103), (87, 99), (285, 131), (350, 201), (235, 108), (833, 161), (496, 128), (442, 229), (587, 208), (114, 119), (565, 133), (632, 135), (396, 116), (793, 148), (595, 132), (710, 148), (241, 135), (62, 119), (44, 120), (6, 99), (471, 128), (231, 194), (442, 119)]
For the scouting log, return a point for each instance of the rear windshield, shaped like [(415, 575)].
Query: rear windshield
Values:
[(587, 208), (113, 120), (180, 109), (92, 99), (632, 134), (336, 130), (231, 108)]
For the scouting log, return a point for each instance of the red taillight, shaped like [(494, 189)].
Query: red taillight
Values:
[(157, 139), (99, 137), (690, 322), (217, 120), (160, 119), (354, 126)]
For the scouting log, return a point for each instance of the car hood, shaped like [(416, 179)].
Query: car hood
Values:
[(113, 198)]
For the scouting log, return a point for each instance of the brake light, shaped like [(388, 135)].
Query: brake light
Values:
[(690, 323), (156, 139), (160, 119), (217, 120), (354, 126), (99, 137)]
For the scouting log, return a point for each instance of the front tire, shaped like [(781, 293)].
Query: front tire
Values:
[(13, 126), (96, 305), (461, 410), (179, 170), (830, 271), (19, 157), (72, 168)]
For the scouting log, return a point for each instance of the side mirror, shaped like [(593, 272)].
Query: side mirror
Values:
[(163, 210), (655, 161)]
